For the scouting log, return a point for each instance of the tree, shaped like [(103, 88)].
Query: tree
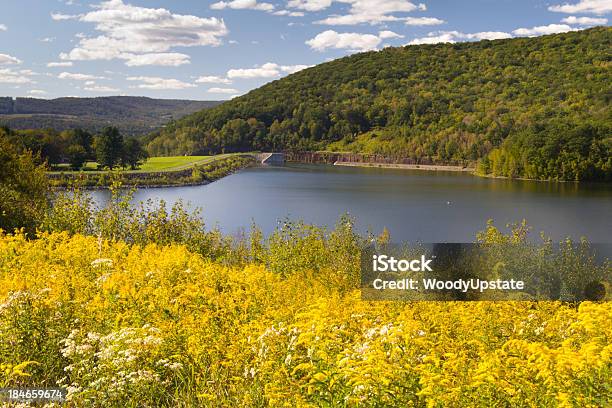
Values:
[(23, 188), (77, 155), (83, 138), (109, 147), (133, 154)]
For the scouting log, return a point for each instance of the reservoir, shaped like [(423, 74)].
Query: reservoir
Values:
[(413, 205)]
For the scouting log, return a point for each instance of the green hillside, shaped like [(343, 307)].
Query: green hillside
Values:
[(525, 107), (132, 115)]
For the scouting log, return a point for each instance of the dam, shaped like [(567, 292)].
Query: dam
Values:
[(271, 158)]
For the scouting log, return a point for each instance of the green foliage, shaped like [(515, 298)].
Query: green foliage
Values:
[(23, 188), (82, 138), (557, 151), (77, 146), (77, 155), (435, 103), (109, 147), (553, 272), (133, 154), (210, 169), (294, 246), (51, 146), (146, 223), (72, 211), (219, 168)]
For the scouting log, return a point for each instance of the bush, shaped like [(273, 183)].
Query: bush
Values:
[(23, 189)]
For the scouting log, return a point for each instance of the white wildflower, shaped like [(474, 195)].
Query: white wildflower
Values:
[(96, 263)]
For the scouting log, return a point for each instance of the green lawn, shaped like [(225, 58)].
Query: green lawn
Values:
[(171, 163)]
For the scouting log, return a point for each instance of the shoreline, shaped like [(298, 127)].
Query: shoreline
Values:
[(491, 176), (139, 186), (456, 169), (423, 167), (194, 176)]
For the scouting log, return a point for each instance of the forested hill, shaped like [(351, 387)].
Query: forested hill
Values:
[(528, 107), (132, 115)]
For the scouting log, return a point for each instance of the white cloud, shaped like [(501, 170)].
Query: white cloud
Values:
[(166, 59), (59, 64), (211, 79), (222, 90), (101, 89), (488, 35), (351, 41), (436, 38), (584, 6), (242, 5), (8, 76), (3, 27), (423, 21), (6, 59), (454, 36), (160, 83), (289, 13), (292, 69), (78, 77), (268, 70), (61, 17), (389, 34), (587, 21), (47, 39), (371, 12), (309, 5), (37, 92), (543, 30), (143, 36)]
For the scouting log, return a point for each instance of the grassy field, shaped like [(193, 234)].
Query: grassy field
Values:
[(157, 171), (171, 163)]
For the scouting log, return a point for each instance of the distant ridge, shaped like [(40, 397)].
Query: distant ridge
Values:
[(133, 115)]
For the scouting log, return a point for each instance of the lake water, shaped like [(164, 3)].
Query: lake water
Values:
[(414, 205)]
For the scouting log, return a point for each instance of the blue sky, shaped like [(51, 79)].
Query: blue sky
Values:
[(211, 50)]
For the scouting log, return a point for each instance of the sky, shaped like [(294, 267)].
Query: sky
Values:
[(216, 50)]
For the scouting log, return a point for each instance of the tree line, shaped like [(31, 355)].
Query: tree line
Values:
[(555, 150), (75, 147)]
